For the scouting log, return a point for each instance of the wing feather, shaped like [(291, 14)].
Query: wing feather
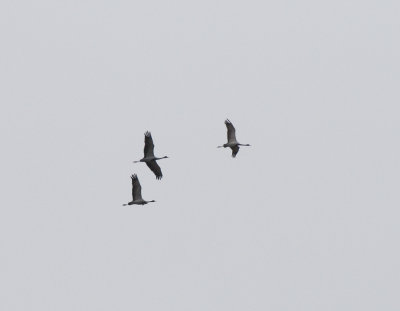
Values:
[(155, 168), (136, 188), (231, 131), (148, 145), (235, 150)]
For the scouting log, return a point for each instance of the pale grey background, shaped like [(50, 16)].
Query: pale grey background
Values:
[(305, 219)]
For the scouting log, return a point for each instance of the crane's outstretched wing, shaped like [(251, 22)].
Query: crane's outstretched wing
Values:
[(235, 150), (148, 145), (136, 188), (155, 168), (231, 131)]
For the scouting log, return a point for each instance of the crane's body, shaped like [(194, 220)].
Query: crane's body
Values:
[(137, 202), (149, 159)]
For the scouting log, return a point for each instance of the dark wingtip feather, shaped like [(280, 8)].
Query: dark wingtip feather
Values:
[(134, 178), (235, 151)]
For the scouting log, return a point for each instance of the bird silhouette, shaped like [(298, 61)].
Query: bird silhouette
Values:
[(149, 157), (137, 192), (232, 142)]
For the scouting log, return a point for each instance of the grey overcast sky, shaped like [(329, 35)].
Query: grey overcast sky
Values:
[(305, 219)]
